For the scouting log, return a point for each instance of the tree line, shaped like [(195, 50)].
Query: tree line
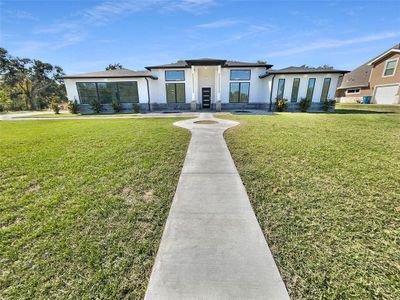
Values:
[(29, 84)]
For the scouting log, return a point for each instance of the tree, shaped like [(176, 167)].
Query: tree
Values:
[(115, 66), (5, 97), (32, 79), (325, 67)]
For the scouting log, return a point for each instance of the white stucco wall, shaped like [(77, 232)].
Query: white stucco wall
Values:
[(158, 89), (319, 82), (259, 89), (72, 91)]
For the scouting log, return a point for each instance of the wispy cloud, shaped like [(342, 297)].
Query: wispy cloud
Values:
[(333, 43), (218, 24)]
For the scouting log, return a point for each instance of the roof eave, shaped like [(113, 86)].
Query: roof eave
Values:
[(114, 77), (382, 56)]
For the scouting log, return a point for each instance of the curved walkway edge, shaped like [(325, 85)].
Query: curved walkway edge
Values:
[(212, 246)]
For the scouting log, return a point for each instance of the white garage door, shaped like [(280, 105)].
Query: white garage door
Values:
[(387, 94)]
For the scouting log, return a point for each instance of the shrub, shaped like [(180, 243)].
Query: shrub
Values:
[(73, 107), (281, 104), (54, 103), (96, 106), (136, 108), (304, 104), (328, 104), (116, 105)]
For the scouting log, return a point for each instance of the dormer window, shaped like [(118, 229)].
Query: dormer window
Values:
[(390, 67)]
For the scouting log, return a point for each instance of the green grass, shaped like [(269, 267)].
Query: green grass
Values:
[(83, 205), (326, 191), (367, 108)]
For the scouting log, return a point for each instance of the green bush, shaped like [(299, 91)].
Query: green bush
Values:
[(281, 104), (328, 104), (96, 106), (116, 105), (304, 104), (73, 107), (54, 103), (136, 108)]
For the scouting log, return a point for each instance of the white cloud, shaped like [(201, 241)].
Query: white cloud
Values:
[(218, 24), (333, 43)]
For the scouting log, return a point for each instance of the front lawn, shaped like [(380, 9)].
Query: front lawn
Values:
[(83, 205), (367, 108), (326, 191)]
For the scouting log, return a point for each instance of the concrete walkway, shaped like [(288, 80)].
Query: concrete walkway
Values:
[(212, 246)]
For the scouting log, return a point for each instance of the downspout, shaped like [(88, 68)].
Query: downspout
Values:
[(270, 93), (148, 93)]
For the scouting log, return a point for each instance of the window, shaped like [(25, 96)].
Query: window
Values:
[(106, 92), (240, 74), (325, 89), (353, 91), (87, 92), (176, 75), (281, 89), (295, 90), (175, 92), (310, 88), (128, 92), (390, 67), (239, 92)]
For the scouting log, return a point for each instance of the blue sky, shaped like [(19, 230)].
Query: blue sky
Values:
[(83, 36)]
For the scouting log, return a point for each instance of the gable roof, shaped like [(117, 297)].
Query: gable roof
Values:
[(394, 49), (209, 62), (303, 70), (359, 77), (118, 73)]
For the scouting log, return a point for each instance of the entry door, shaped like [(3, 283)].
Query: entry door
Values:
[(206, 97)]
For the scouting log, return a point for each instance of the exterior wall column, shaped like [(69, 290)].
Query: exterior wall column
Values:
[(193, 104), (218, 87)]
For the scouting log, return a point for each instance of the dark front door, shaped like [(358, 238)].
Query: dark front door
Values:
[(206, 97)]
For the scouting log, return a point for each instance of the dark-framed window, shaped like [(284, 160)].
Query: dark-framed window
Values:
[(239, 92), (175, 92), (128, 91), (175, 75), (295, 90), (106, 92), (310, 88), (325, 89), (240, 74), (87, 92), (281, 89)]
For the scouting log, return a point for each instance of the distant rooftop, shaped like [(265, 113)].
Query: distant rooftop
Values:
[(118, 73), (303, 70), (209, 62)]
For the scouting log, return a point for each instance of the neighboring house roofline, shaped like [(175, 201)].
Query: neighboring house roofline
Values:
[(380, 57)]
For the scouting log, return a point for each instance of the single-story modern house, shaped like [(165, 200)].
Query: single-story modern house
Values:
[(378, 79), (197, 84)]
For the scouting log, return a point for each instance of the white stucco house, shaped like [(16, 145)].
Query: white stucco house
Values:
[(203, 84)]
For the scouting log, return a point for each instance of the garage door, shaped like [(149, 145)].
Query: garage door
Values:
[(387, 94)]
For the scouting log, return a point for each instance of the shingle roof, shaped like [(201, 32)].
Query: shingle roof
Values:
[(302, 70), (119, 73), (209, 61), (356, 78)]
